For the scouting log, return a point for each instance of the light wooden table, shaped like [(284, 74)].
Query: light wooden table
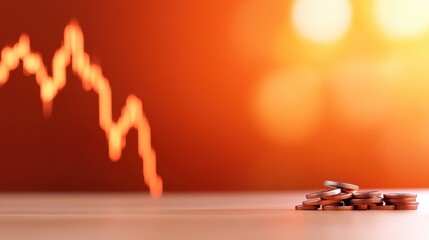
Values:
[(198, 216)]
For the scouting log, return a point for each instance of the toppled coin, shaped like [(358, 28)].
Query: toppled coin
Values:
[(345, 190), (400, 200), (318, 202), (381, 207), (366, 201), (361, 207), (335, 204), (404, 203), (348, 186), (308, 207), (406, 207), (337, 208), (322, 194), (340, 196), (399, 195), (368, 194)]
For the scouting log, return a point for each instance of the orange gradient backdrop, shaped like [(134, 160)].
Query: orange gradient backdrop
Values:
[(239, 95)]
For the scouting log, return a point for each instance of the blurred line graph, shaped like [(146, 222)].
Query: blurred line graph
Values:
[(72, 51)]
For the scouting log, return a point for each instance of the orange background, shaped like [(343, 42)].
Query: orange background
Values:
[(199, 67)]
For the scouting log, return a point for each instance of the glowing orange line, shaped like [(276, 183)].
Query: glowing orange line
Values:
[(132, 115)]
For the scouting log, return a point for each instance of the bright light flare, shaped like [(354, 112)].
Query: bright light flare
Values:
[(321, 21), (402, 18)]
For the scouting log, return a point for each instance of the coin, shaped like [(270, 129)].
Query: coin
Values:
[(406, 207), (400, 200), (369, 194), (319, 202), (345, 190), (337, 208), (340, 196), (348, 186), (366, 201), (344, 196), (335, 204), (308, 207), (405, 203), (381, 207), (325, 193), (361, 207), (399, 195)]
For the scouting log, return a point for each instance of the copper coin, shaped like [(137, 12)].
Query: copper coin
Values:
[(368, 194), (308, 207), (318, 202), (381, 207), (325, 193), (406, 207), (405, 203), (345, 190), (337, 208), (340, 196), (349, 186), (399, 195), (335, 204), (400, 200), (361, 207), (366, 201)]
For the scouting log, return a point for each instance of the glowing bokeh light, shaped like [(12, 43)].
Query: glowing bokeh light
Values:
[(132, 115), (362, 89), (402, 18), (288, 105), (321, 21)]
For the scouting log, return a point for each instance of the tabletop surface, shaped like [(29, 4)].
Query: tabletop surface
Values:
[(263, 215)]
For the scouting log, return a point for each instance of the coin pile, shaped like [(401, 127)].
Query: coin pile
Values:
[(345, 196)]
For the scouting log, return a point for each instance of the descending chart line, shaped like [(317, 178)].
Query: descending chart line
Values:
[(72, 52)]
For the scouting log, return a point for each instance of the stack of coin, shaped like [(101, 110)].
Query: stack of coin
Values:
[(401, 201), (367, 200), (345, 196)]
